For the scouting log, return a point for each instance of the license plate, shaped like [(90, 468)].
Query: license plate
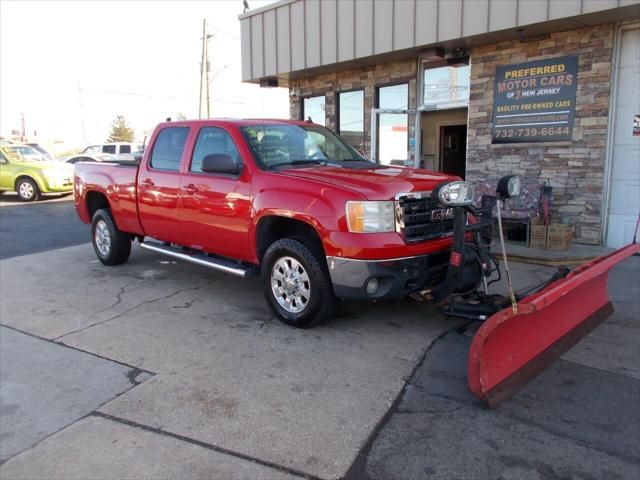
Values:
[(441, 214)]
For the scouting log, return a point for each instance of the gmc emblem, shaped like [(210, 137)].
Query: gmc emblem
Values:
[(441, 214)]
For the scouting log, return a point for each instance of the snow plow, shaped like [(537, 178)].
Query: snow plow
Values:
[(524, 332)]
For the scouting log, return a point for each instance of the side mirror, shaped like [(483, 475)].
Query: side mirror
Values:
[(137, 156), (220, 163), (508, 186)]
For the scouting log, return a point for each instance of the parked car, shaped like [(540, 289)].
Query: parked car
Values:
[(96, 157), (25, 171), (121, 150)]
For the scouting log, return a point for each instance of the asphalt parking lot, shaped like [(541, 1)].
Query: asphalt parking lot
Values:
[(160, 369)]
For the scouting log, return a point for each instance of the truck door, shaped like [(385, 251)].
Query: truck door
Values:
[(215, 209), (159, 185)]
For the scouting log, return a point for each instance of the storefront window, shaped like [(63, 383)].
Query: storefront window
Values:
[(446, 87), (313, 108), (351, 118), (393, 133)]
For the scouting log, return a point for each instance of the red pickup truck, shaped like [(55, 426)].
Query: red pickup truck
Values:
[(289, 200)]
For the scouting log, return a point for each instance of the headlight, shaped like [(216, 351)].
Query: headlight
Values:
[(454, 194), (371, 217), (509, 186), (55, 176)]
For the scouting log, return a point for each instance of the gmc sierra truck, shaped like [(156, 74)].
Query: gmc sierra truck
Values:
[(288, 200)]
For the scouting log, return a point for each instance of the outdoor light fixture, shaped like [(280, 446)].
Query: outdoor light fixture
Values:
[(509, 186)]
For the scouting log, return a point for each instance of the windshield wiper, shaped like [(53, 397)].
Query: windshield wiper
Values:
[(301, 162)]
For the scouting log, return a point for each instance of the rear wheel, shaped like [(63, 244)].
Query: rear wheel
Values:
[(112, 246), (27, 190), (297, 284)]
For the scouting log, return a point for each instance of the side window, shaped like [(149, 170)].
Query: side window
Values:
[(212, 140), (168, 147), (125, 148), (109, 149)]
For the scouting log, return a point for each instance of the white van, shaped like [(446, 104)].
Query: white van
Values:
[(121, 150)]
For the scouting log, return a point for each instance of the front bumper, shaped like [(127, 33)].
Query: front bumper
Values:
[(396, 278), (58, 185)]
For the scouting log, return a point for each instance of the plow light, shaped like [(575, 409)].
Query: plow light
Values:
[(454, 194), (509, 186)]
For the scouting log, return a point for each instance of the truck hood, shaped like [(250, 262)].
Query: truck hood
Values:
[(375, 183)]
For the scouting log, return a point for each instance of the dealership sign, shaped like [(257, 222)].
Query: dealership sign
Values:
[(535, 101)]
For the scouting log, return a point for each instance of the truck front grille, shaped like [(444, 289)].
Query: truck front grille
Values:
[(420, 218)]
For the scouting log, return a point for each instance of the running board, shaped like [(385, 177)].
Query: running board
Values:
[(200, 258)]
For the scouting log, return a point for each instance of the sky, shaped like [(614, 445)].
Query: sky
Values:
[(72, 66)]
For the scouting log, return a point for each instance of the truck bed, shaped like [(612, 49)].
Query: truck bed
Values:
[(112, 181)]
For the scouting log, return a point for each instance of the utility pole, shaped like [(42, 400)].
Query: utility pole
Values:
[(23, 132), (84, 128), (204, 72)]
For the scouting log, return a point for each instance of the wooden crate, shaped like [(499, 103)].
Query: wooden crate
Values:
[(559, 237), (537, 234)]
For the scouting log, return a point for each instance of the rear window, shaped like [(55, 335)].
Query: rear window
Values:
[(168, 148), (125, 148)]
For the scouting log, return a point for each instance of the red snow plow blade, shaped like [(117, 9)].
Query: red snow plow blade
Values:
[(509, 349)]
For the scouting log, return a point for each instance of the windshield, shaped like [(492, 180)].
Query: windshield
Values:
[(23, 153), (286, 145)]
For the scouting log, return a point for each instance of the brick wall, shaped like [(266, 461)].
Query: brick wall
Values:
[(367, 78), (574, 169)]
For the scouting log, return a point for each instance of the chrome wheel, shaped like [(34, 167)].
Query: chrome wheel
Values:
[(26, 190), (290, 284), (102, 238)]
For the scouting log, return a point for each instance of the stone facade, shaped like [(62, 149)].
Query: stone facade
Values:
[(367, 78), (574, 169)]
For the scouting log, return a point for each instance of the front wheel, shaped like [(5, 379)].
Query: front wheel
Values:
[(112, 246), (27, 190), (297, 284)]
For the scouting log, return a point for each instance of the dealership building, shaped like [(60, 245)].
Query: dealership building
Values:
[(548, 89)]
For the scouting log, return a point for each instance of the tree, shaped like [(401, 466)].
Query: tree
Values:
[(121, 131)]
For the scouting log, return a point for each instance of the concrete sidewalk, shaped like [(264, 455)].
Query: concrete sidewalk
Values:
[(577, 254), (229, 378)]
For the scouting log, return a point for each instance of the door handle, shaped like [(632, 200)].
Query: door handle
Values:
[(147, 182), (191, 189)]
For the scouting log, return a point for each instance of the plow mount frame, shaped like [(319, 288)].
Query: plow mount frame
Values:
[(510, 348)]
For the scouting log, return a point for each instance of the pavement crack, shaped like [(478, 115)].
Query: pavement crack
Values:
[(209, 446), (146, 302), (118, 301)]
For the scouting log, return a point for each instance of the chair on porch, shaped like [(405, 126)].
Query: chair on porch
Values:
[(520, 210)]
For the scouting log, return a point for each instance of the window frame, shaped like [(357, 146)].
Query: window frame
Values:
[(155, 143), (337, 102), (376, 102), (464, 61), (314, 95), (196, 134)]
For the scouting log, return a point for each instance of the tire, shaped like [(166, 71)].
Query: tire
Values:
[(112, 246), (27, 190), (296, 282)]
